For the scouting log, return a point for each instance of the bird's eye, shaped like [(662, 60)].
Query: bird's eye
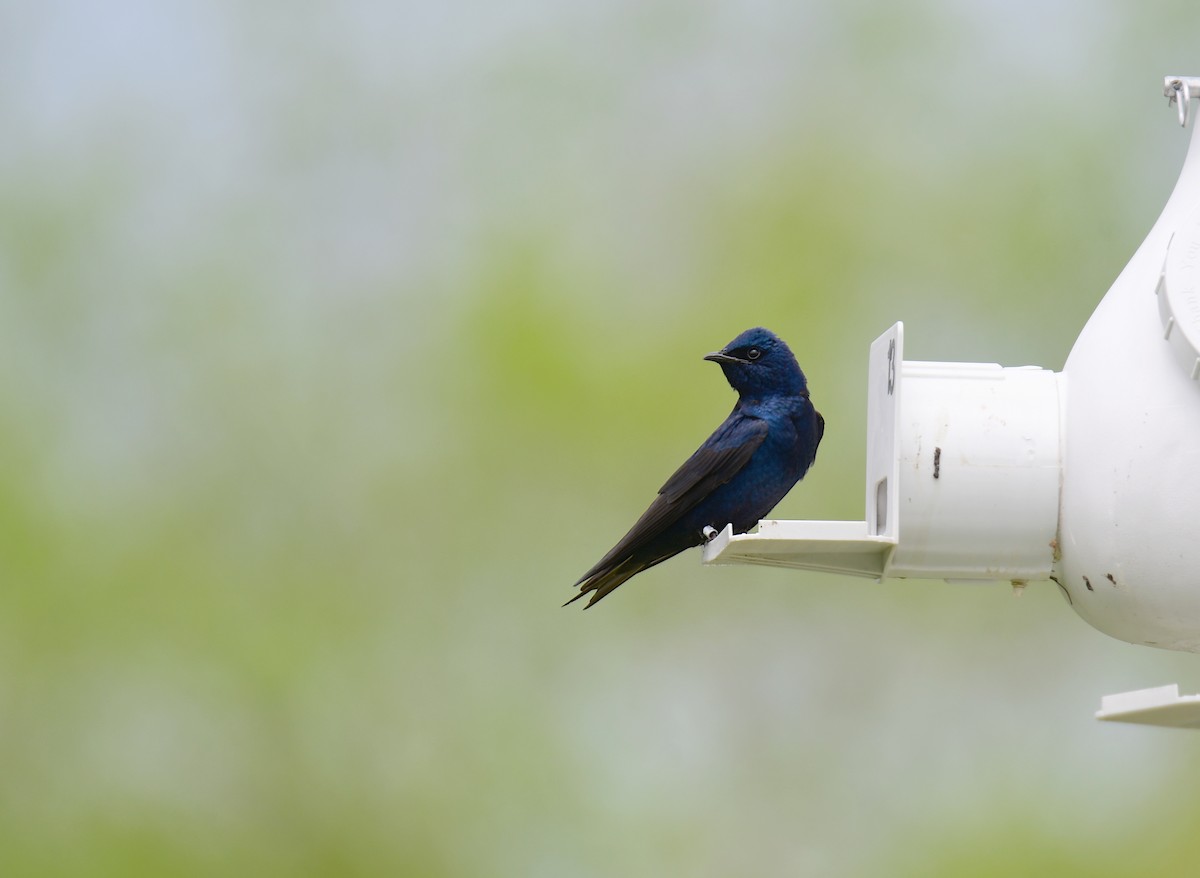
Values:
[(753, 354)]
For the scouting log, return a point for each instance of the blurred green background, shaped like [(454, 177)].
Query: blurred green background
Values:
[(338, 339)]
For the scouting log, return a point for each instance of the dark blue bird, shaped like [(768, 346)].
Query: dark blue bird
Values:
[(736, 477)]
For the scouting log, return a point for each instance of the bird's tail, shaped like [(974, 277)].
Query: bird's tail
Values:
[(602, 583)]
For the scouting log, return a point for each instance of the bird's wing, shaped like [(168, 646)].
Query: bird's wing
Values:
[(714, 463), (717, 461)]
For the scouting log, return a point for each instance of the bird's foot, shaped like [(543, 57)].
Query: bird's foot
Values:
[(709, 533)]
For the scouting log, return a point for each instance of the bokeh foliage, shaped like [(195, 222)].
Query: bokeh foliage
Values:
[(337, 342)]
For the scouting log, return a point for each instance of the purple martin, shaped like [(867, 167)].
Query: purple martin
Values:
[(736, 477)]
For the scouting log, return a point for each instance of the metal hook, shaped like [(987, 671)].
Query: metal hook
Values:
[(1178, 91), (1172, 89)]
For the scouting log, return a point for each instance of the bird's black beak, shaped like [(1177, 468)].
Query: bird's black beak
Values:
[(722, 357)]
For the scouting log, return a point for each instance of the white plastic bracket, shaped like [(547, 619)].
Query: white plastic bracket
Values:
[(962, 478), (854, 548), (1161, 706)]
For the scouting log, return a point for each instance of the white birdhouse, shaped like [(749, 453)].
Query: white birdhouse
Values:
[(984, 473)]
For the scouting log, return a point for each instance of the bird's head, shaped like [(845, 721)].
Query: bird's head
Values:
[(759, 363)]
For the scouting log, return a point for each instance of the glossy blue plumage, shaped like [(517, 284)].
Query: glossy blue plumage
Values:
[(738, 475)]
